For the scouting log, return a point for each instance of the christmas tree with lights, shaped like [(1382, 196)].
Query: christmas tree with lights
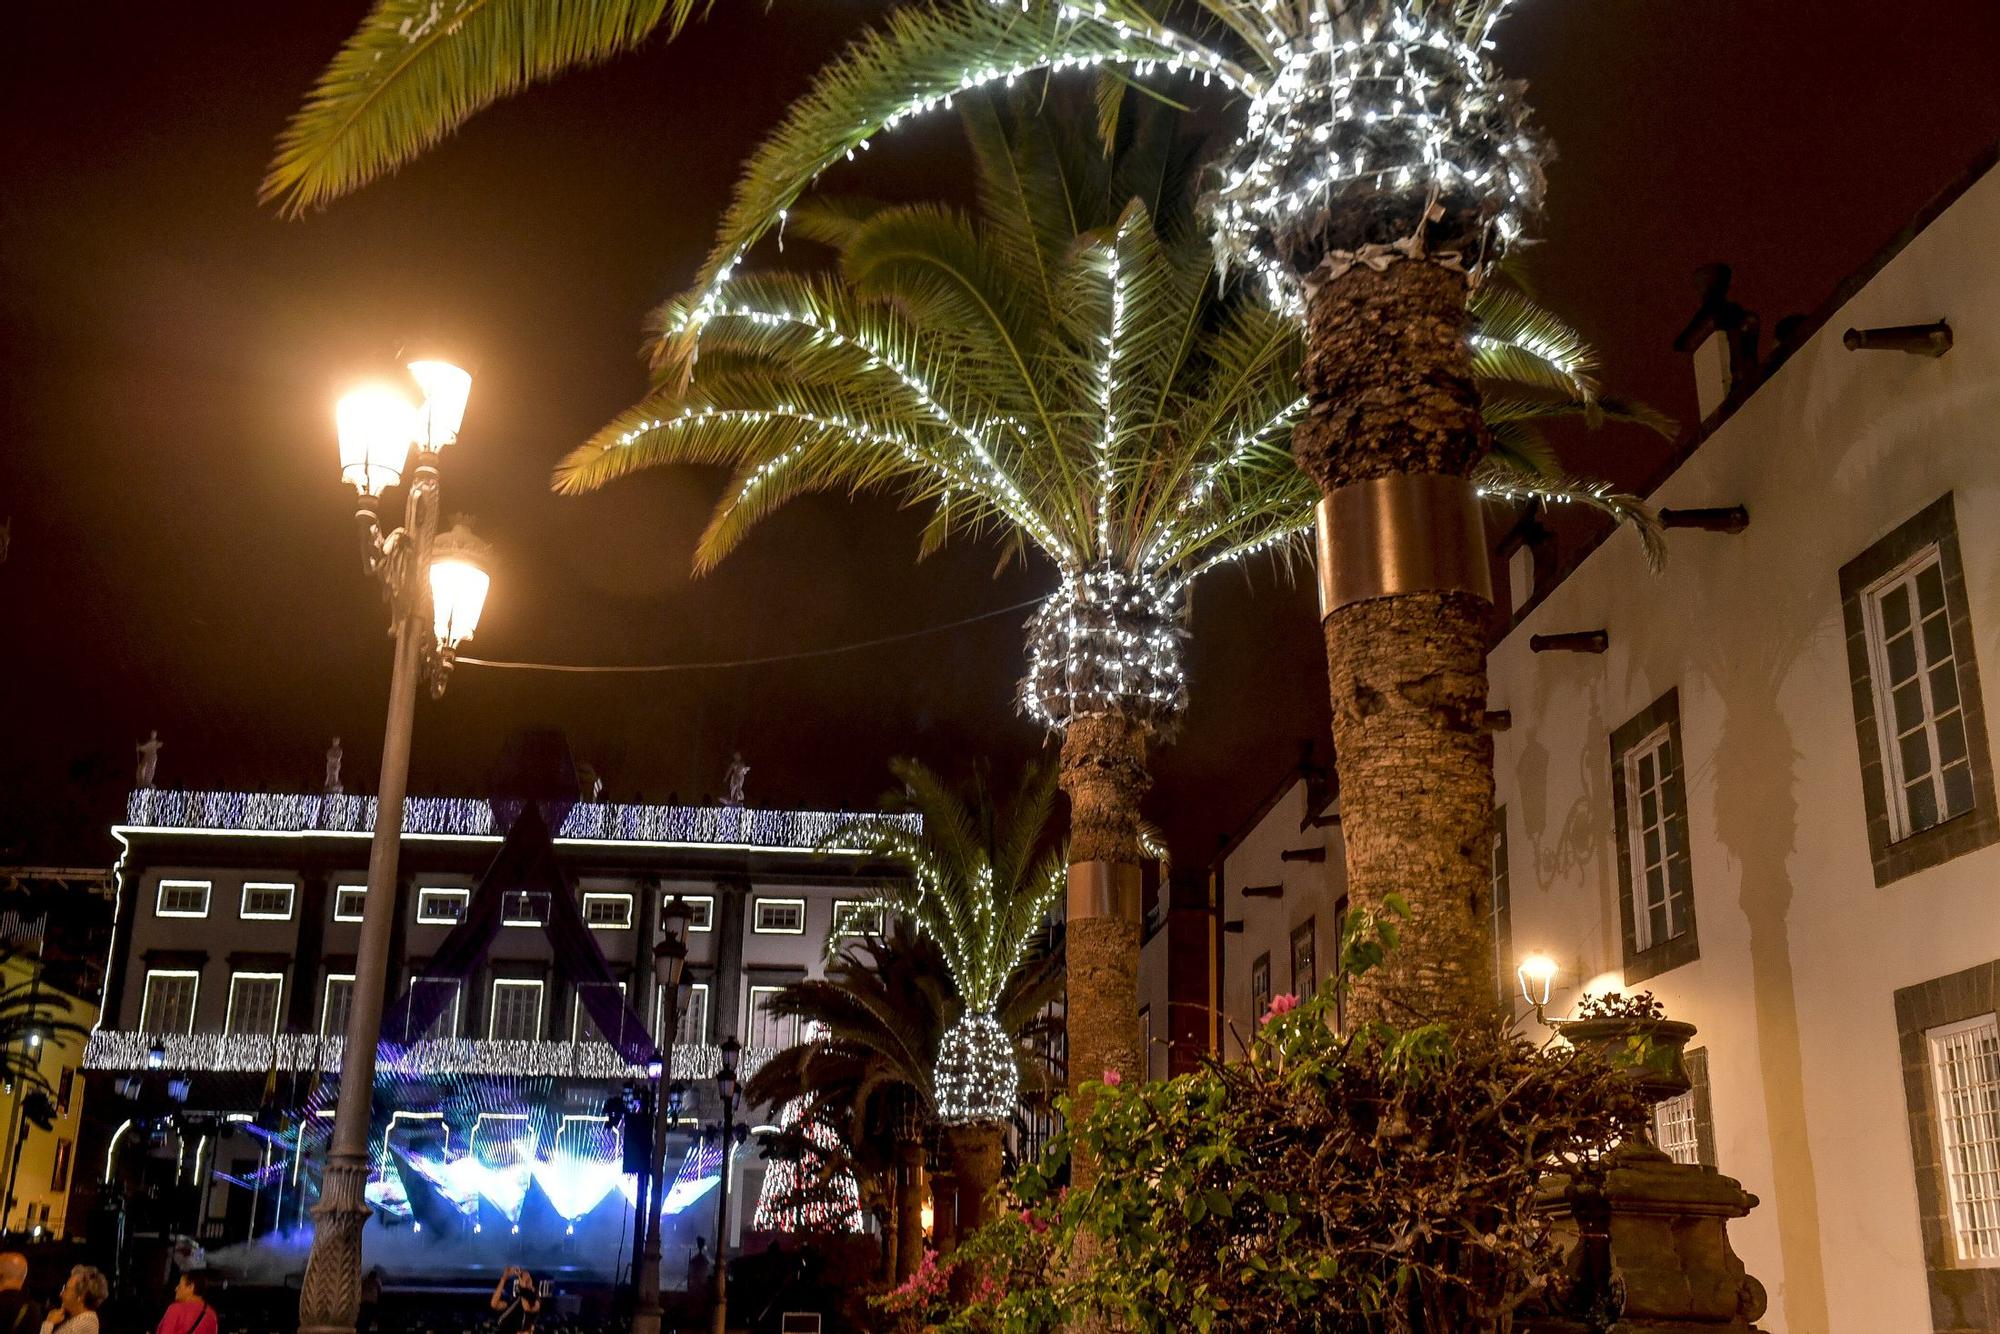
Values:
[(804, 1190)]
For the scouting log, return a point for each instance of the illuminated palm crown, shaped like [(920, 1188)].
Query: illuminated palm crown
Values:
[(1065, 370)]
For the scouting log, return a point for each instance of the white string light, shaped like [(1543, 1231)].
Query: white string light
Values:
[(976, 1076), (242, 1053)]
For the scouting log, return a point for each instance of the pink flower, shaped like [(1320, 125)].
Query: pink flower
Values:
[(1113, 1078), (1280, 1006)]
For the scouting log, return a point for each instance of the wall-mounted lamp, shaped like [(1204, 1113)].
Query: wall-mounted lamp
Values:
[(1537, 975)]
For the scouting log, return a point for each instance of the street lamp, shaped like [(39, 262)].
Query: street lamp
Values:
[(670, 967), (435, 587), (725, 1085), (1537, 974)]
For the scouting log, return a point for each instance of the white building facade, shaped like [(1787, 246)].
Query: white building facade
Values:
[(1770, 799)]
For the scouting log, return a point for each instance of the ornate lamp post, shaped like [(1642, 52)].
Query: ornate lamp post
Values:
[(670, 967), (435, 586), (725, 1085)]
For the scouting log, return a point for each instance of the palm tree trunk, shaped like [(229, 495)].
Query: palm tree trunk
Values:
[(1104, 775), (909, 1207), (975, 1155), (1388, 372)]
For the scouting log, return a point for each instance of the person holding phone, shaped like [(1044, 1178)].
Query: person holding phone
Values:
[(518, 1301)]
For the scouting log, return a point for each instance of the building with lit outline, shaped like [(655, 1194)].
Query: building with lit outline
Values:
[(231, 972)]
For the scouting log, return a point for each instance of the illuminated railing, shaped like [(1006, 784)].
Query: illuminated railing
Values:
[(340, 813), (196, 1053)]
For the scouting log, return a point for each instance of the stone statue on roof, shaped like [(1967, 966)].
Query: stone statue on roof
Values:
[(333, 788), (149, 760), (733, 780)]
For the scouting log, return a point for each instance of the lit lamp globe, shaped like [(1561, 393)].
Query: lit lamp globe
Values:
[(1537, 974), (446, 388), (376, 425), (458, 585), (977, 1078)]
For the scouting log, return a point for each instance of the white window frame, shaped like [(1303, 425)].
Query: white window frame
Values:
[(291, 901), (703, 919), (842, 907), (757, 907), (160, 908), (493, 1004), (522, 898), (457, 1002), (1978, 1216), (277, 1005), (1659, 744), (326, 1002), (750, 1017), (424, 892), (697, 998), (576, 1010), (146, 995), (607, 896), (1882, 690), (1677, 1129), (361, 891)]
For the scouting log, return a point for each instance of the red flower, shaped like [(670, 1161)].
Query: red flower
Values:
[(1113, 1078)]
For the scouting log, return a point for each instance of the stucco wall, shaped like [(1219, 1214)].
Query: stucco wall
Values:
[(1800, 951), (1312, 890)]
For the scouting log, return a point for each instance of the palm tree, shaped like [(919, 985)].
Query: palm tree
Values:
[(414, 72), (1381, 166), (1064, 371), (884, 1010)]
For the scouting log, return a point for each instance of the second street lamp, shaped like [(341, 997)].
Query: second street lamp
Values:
[(725, 1086), (670, 967), (435, 587)]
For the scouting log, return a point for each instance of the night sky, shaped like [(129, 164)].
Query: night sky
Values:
[(182, 556)]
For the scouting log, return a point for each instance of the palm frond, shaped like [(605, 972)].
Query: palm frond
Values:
[(416, 70), (1500, 480)]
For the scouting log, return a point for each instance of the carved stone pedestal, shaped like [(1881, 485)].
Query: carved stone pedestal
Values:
[(1648, 1249)]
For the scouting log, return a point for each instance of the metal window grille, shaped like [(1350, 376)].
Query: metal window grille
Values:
[(1260, 987), (1675, 1129), (1652, 773), (1917, 707), (1965, 1070), (1305, 960)]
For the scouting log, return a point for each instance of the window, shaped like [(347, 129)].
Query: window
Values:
[(1649, 803), (517, 1010), (1502, 909), (1305, 960), (182, 898), (693, 1028), (336, 1004), (701, 910), (583, 1028), (1260, 987), (349, 900), (59, 1178), (1682, 1127), (64, 1088), (1965, 1074), (525, 907), (168, 1004), (265, 902), (766, 1028), (425, 992), (1917, 706), (781, 917), (442, 907), (253, 1004), (1919, 725), (607, 912), (857, 917)]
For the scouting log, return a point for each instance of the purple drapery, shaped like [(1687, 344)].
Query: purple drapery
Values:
[(526, 863)]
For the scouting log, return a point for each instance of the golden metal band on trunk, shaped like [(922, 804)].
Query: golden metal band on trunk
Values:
[(1405, 533), (1104, 889)]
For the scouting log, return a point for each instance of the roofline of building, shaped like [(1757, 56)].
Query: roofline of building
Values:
[(1693, 437)]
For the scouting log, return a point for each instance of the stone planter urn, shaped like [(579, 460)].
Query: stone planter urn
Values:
[(1654, 1051), (1646, 1239)]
